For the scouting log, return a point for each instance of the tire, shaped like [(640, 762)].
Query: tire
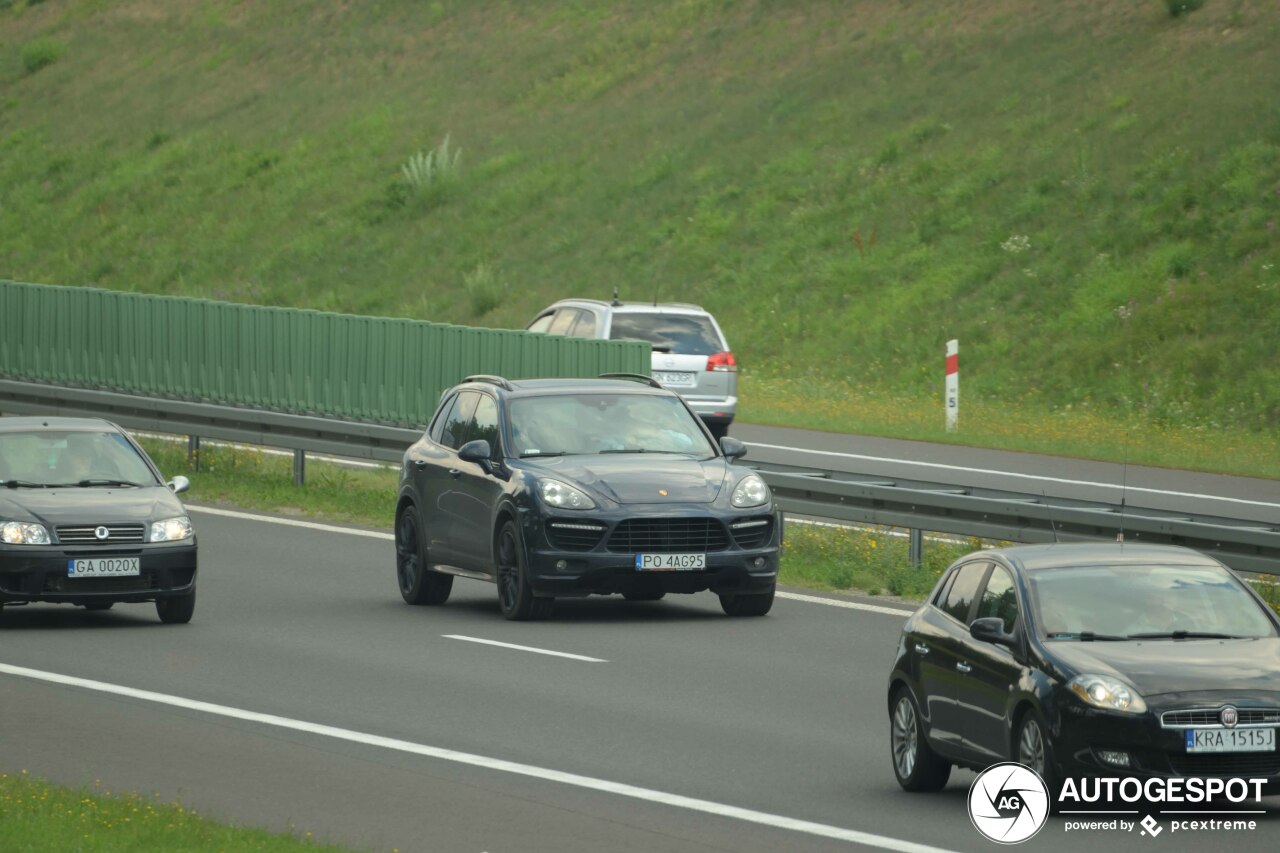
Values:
[(515, 596), (915, 765), (743, 604), (176, 611), (1031, 747), (418, 584), (647, 595), (99, 605)]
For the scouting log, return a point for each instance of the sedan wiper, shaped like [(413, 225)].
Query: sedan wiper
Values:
[(106, 482), (23, 484), (535, 453), (1184, 635), (1085, 636)]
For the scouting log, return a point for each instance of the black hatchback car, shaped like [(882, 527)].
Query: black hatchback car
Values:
[(572, 487), (85, 518), (1087, 660)]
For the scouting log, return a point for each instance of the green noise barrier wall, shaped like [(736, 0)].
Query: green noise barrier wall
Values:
[(375, 369)]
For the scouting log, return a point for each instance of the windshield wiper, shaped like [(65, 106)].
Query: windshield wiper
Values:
[(1184, 635), (1085, 636), (535, 453), (23, 484), (106, 482)]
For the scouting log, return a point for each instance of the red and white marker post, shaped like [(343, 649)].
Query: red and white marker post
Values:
[(953, 385)]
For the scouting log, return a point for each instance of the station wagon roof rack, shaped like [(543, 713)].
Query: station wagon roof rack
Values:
[(492, 380), (639, 377)]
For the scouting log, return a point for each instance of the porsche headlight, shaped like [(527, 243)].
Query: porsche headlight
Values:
[(171, 529), (563, 496), (23, 533), (750, 491), (1110, 694)]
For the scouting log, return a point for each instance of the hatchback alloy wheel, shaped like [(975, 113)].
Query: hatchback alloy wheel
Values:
[(1031, 746), (904, 737)]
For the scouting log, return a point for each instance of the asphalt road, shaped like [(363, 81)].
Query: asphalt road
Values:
[(333, 708)]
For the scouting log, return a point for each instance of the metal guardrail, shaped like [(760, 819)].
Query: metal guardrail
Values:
[(915, 505)]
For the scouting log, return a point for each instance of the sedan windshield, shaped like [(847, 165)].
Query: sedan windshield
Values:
[(1145, 602), (605, 423), (44, 458)]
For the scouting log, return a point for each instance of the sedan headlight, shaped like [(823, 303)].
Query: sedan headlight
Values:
[(563, 496), (750, 491), (1110, 694), (171, 529), (23, 533)]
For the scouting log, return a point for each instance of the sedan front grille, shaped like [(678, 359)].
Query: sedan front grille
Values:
[(668, 536), (574, 535), (1247, 764), (752, 533), (87, 534), (1211, 718)]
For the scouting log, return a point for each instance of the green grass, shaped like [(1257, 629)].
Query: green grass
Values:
[(1086, 194), (38, 816)]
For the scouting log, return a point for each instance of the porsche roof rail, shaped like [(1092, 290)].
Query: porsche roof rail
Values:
[(639, 377), (492, 380)]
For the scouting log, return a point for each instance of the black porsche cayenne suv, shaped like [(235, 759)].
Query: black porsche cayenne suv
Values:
[(572, 487)]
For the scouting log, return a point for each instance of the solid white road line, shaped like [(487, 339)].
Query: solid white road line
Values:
[(602, 785), (290, 522), (1117, 486), (850, 605), (523, 648), (375, 534)]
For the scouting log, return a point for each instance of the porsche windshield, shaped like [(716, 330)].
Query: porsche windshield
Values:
[(64, 458), (555, 425), (1145, 602)]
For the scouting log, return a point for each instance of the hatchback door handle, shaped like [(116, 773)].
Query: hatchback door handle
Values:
[(964, 667), (922, 649)]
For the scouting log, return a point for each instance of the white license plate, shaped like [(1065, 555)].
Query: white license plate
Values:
[(103, 567), (677, 379), (670, 562), (1231, 740)]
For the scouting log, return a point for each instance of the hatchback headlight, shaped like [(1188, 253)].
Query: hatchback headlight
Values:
[(563, 496), (1110, 694), (171, 529), (750, 491), (23, 533)]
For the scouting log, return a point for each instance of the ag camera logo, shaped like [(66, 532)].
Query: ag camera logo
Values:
[(1008, 803)]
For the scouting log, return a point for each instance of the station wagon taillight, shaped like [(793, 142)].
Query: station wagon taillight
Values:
[(722, 361)]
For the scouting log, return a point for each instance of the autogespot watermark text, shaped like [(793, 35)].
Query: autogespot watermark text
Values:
[(1079, 799), (1190, 789)]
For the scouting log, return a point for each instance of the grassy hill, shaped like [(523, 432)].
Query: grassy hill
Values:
[(1085, 192)]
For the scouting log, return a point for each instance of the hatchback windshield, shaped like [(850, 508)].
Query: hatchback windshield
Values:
[(604, 423), (53, 458), (686, 334), (1141, 602)]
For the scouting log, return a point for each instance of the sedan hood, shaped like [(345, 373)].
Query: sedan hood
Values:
[(90, 505), (631, 478), (1178, 666)]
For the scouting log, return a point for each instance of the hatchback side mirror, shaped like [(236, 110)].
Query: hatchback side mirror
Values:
[(477, 451), (990, 629), (732, 447), (179, 484)]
